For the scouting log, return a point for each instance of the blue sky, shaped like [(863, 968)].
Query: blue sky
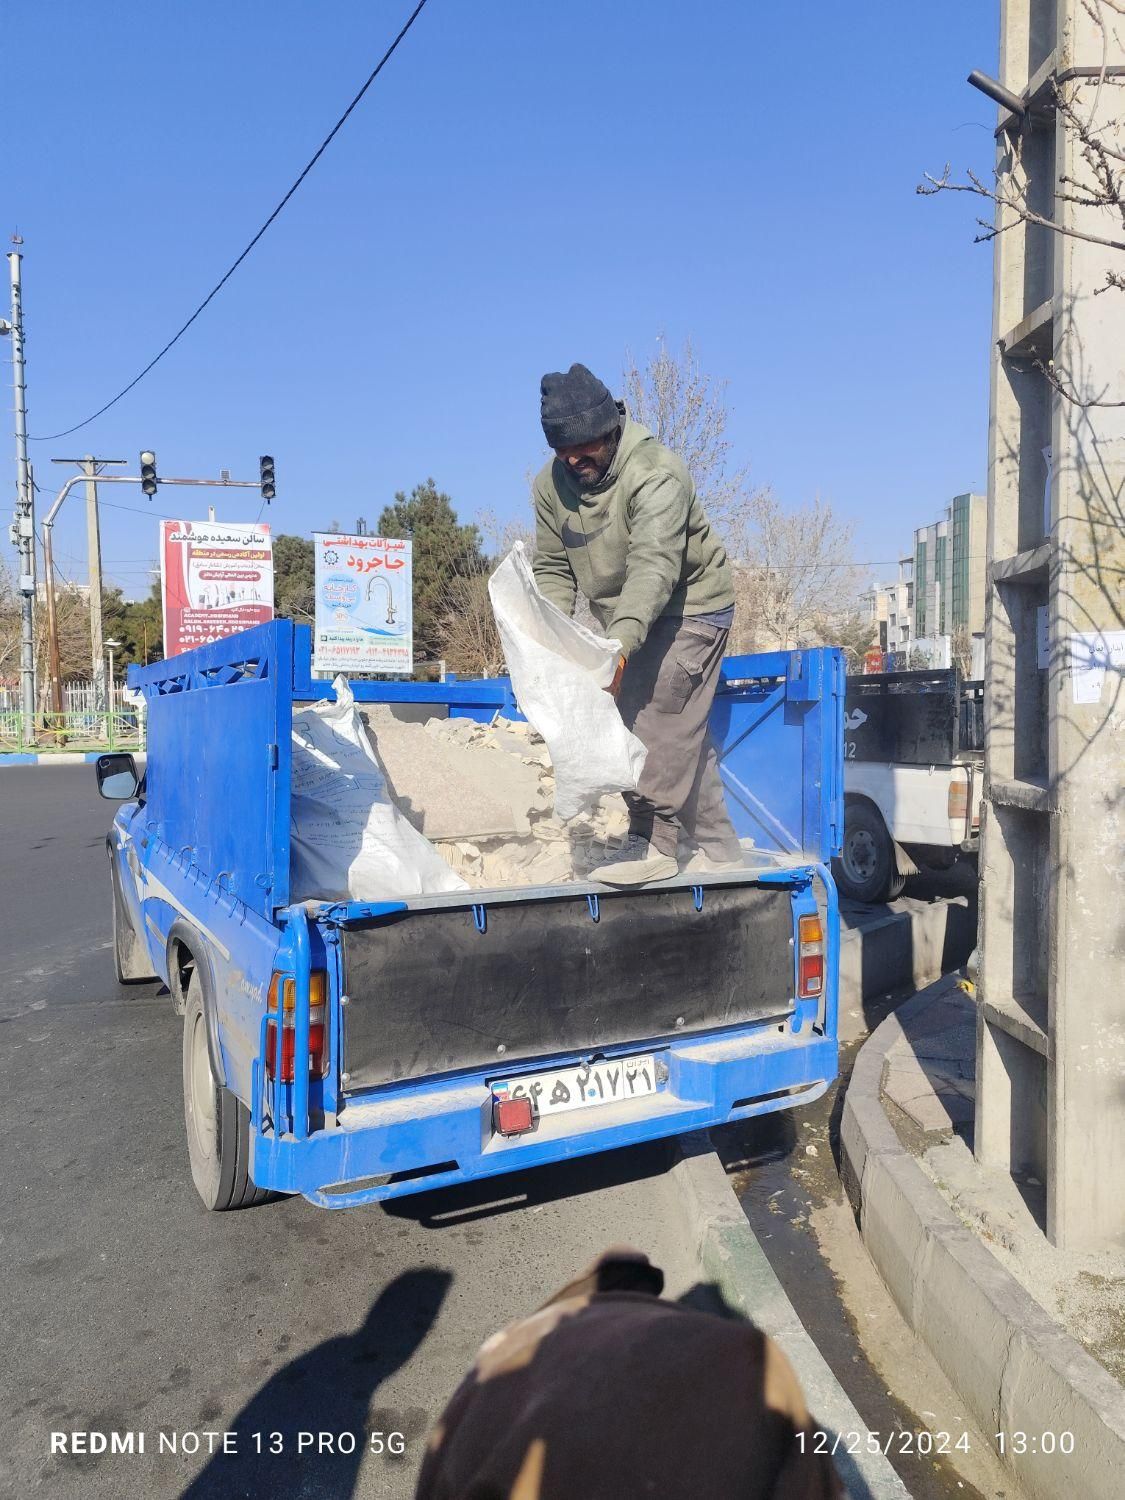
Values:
[(525, 185)]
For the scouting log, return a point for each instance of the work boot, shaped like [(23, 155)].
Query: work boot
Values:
[(705, 864), (635, 863)]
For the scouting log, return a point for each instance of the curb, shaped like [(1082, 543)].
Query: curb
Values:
[(913, 943), (49, 757), (1016, 1369), (728, 1252)]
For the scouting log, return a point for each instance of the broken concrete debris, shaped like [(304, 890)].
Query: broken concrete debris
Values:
[(484, 795)]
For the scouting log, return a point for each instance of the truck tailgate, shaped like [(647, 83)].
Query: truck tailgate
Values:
[(454, 985)]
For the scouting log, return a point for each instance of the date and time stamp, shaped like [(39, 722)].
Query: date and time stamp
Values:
[(904, 1443)]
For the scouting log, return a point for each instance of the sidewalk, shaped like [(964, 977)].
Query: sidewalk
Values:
[(51, 757), (1014, 1323)]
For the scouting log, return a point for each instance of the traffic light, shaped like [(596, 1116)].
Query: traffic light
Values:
[(267, 476), (148, 473)]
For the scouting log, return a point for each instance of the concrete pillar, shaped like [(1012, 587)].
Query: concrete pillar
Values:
[(1051, 1028)]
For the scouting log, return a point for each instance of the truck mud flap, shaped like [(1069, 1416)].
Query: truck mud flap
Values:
[(451, 988)]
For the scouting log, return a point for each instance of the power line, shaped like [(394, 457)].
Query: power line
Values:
[(386, 57), (136, 510)]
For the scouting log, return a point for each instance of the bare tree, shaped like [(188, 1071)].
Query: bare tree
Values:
[(9, 626), (470, 640), (852, 630), (72, 619), (794, 573), (1097, 183), (686, 409), (961, 649)]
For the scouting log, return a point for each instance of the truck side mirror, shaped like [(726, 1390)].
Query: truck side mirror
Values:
[(117, 776)]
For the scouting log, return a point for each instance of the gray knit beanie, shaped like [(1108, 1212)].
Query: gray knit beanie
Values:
[(576, 408)]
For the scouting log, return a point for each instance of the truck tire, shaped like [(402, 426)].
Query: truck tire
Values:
[(218, 1124), (131, 963), (866, 869)]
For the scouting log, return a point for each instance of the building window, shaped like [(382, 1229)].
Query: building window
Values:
[(940, 580), (920, 590)]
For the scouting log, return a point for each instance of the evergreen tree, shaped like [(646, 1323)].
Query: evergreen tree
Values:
[(293, 578), (444, 552)]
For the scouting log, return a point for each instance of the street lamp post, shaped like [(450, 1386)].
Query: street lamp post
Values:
[(111, 647)]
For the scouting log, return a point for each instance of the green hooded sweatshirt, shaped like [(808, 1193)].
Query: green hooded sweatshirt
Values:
[(638, 544)]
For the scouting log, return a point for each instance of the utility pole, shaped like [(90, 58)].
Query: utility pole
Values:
[(91, 467), (23, 530), (94, 553), (54, 667)]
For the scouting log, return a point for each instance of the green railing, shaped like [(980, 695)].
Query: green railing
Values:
[(84, 729)]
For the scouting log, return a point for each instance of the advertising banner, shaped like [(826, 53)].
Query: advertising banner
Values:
[(215, 580), (364, 615)]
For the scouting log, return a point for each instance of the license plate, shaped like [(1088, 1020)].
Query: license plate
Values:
[(585, 1087)]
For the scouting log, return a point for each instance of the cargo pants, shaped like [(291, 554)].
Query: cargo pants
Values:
[(665, 698)]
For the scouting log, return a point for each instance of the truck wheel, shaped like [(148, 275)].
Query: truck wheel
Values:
[(218, 1124), (866, 869), (131, 964)]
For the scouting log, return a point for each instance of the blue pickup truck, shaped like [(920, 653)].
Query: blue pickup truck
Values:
[(352, 1051)]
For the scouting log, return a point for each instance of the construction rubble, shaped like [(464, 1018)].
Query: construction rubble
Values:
[(484, 795)]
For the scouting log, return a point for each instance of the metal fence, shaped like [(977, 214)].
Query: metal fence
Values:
[(81, 725), (78, 697), (80, 731)]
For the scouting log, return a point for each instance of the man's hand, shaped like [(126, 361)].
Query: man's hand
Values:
[(615, 686)]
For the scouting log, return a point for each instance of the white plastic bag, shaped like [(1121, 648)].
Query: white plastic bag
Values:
[(348, 841), (560, 671)]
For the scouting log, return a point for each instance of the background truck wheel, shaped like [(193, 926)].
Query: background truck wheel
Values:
[(131, 963), (866, 869), (218, 1124)]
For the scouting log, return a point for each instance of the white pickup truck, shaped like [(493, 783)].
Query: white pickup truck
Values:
[(913, 776)]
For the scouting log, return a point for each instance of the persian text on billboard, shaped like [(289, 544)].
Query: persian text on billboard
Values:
[(364, 618), (215, 580)]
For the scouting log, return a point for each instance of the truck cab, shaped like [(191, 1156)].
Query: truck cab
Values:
[(360, 1050)]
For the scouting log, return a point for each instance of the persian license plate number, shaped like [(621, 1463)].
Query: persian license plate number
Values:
[(585, 1087)]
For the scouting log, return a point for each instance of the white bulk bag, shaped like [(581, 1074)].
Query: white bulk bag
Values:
[(559, 672), (348, 841)]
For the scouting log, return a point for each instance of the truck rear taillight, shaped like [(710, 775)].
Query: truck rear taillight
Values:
[(318, 1031), (513, 1116), (810, 957)]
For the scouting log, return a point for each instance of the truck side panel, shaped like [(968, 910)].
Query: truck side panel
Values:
[(778, 723), (220, 727)]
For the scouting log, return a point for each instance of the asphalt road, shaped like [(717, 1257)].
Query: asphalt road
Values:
[(130, 1309)]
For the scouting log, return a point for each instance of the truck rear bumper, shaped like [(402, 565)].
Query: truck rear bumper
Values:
[(441, 1133)]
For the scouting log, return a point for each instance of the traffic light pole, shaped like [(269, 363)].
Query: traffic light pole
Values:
[(90, 469)]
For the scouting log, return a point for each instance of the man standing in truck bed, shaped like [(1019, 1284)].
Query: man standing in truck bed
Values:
[(617, 516)]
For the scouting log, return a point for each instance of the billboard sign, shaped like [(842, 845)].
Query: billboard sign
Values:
[(364, 597), (215, 580)]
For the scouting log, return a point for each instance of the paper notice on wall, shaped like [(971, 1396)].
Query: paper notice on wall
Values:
[(1094, 653)]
